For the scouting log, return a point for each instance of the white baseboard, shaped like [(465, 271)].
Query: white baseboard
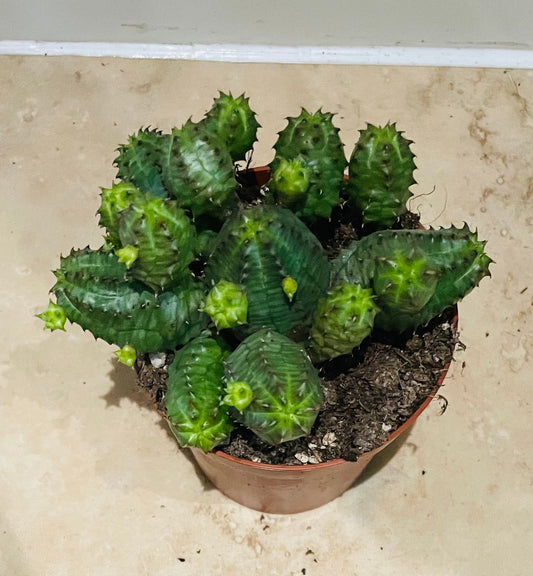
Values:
[(372, 55)]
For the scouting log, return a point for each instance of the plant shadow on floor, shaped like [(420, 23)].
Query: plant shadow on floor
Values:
[(124, 380), (125, 386)]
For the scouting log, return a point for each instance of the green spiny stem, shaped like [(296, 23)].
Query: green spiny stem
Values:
[(151, 235), (415, 274), (457, 282), (233, 121), (93, 290), (164, 238), (405, 283), (258, 248), (198, 170), (195, 390), (380, 173), (113, 201), (91, 264), (138, 161), (285, 386), (308, 150), (205, 242), (343, 319)]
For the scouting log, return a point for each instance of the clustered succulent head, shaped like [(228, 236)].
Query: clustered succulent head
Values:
[(241, 290)]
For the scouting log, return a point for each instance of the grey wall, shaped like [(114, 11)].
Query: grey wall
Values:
[(336, 26)]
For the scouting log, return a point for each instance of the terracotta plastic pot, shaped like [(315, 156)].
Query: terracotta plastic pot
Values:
[(289, 489)]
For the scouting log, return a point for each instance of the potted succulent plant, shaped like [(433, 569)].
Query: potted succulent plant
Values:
[(237, 293)]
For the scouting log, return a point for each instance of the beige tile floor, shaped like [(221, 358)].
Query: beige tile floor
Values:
[(91, 483)]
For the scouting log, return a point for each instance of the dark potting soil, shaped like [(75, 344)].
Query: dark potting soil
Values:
[(367, 395)]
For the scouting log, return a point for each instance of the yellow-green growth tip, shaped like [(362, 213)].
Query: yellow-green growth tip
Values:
[(291, 179), (238, 394), (54, 317), (227, 305), (128, 255), (251, 228), (289, 286), (126, 355)]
